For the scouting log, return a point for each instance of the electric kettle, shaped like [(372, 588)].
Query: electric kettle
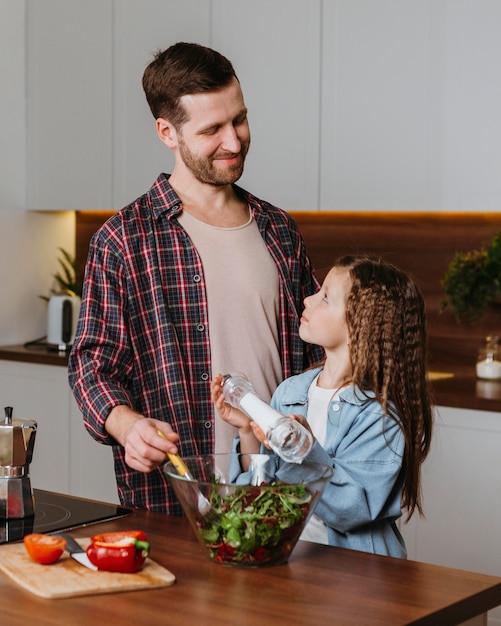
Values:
[(62, 320)]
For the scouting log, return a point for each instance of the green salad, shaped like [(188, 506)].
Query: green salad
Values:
[(256, 525)]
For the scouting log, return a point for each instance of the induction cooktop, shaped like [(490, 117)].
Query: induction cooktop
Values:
[(57, 512)]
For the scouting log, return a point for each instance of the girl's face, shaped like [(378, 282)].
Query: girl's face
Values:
[(323, 321)]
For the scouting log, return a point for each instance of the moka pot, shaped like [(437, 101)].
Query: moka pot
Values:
[(17, 440)]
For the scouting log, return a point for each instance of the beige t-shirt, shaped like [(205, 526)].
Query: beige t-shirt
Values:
[(243, 303)]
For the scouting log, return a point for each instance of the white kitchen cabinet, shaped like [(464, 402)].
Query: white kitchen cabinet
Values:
[(284, 120), (461, 496), (69, 104), (381, 105), (66, 459), (92, 142), (353, 105), (276, 50), (142, 28)]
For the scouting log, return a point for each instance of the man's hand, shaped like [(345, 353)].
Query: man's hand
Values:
[(144, 448)]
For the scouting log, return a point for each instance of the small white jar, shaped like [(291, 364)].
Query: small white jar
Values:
[(489, 360)]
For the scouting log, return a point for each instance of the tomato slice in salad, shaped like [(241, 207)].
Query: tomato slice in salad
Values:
[(44, 549)]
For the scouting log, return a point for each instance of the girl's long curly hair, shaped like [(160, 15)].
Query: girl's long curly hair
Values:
[(385, 314)]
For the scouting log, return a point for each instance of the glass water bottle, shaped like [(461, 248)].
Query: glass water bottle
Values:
[(287, 437)]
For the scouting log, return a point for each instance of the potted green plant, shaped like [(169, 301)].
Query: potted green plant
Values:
[(66, 278), (472, 281)]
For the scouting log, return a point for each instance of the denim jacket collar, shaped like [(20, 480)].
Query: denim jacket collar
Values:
[(295, 390)]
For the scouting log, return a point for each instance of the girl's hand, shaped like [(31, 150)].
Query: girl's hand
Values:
[(227, 412), (261, 437), (303, 421)]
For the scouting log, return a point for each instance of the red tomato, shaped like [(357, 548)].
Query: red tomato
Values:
[(123, 551), (44, 549)]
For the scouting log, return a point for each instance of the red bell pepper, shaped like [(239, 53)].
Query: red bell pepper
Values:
[(123, 551)]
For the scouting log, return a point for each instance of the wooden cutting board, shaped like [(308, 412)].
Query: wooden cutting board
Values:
[(66, 578)]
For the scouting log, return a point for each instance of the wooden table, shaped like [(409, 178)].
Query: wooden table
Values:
[(320, 585)]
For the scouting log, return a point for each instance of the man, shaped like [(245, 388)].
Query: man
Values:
[(195, 277)]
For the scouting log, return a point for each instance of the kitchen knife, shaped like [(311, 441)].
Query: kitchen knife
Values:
[(76, 551)]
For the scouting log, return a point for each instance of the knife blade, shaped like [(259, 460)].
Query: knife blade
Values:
[(76, 551)]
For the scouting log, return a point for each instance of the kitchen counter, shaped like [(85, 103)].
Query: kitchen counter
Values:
[(319, 585), (34, 353), (456, 384), (447, 356)]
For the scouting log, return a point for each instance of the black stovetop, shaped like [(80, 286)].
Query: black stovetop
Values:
[(56, 512)]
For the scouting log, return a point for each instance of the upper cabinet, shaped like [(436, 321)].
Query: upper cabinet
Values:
[(69, 104), (91, 136), (370, 106), (276, 50), (142, 28), (91, 140), (381, 105)]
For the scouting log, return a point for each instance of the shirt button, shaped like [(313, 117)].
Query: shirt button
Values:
[(336, 407), (205, 376), (208, 425), (200, 327), (197, 278)]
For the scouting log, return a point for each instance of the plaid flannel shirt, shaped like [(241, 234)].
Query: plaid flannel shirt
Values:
[(142, 337)]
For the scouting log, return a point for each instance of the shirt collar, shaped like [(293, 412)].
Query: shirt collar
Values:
[(164, 200)]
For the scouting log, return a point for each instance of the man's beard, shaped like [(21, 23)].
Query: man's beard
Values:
[(203, 169)]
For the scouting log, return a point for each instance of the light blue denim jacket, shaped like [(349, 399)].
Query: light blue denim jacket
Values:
[(362, 501)]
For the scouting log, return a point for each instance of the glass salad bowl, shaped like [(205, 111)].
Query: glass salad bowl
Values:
[(246, 519)]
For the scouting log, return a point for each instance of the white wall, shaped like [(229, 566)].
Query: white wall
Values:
[(28, 242), (398, 105)]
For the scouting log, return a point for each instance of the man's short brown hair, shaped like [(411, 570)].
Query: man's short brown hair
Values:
[(183, 69)]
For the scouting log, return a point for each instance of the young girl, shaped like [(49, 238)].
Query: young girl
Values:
[(367, 405)]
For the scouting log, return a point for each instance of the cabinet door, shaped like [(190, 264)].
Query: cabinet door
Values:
[(142, 28), (69, 104), (39, 392), (380, 112), (66, 459), (91, 464), (275, 49), (461, 495), (92, 140)]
